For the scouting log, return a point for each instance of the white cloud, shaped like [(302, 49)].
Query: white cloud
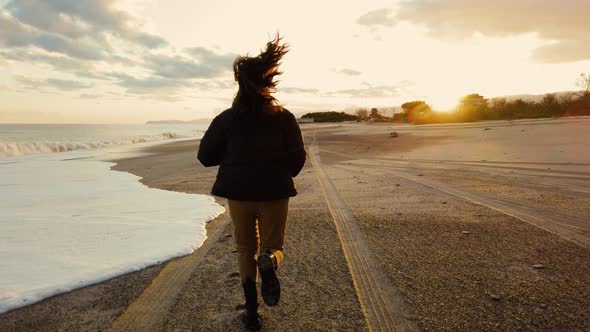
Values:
[(563, 24), (378, 17)]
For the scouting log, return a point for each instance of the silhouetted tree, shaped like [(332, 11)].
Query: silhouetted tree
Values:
[(473, 99), (498, 102), (330, 116), (375, 114), (583, 82), (362, 114), (416, 110)]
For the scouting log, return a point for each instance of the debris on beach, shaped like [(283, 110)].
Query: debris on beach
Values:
[(487, 128), (465, 232), (538, 266), (495, 297), (393, 134)]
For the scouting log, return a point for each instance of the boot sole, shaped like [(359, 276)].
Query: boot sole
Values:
[(270, 288)]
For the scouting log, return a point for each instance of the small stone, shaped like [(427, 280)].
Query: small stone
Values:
[(420, 174), (444, 202), (465, 232), (538, 266), (397, 184), (495, 297), (487, 129), (542, 305)]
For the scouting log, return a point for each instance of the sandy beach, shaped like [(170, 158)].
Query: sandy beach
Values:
[(475, 227)]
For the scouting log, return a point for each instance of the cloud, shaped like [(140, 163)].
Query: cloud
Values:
[(213, 84), (376, 18), (563, 24), (65, 85), (202, 64), (347, 71), (15, 34), (89, 96), (78, 29), (381, 91), (28, 82), (58, 62), (81, 19), (206, 55), (299, 90), (147, 85), (79, 38)]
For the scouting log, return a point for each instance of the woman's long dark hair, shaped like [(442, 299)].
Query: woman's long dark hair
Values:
[(256, 78)]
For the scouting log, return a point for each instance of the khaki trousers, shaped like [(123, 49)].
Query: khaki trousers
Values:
[(258, 226)]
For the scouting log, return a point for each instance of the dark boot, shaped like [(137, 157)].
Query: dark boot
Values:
[(251, 318), (270, 287)]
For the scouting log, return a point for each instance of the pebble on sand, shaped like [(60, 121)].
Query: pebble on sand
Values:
[(495, 297), (539, 266), (465, 232)]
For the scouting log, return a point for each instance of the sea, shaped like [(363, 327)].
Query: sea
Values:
[(68, 221)]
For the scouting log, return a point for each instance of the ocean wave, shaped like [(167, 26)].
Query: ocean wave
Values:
[(11, 149)]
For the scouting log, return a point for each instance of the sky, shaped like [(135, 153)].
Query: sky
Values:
[(130, 61)]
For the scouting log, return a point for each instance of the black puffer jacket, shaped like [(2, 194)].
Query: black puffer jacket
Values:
[(259, 154)]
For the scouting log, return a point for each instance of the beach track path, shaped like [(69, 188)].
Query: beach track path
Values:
[(570, 225), (148, 312), (382, 304)]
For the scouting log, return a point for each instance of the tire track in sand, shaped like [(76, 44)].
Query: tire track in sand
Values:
[(382, 304), (574, 227)]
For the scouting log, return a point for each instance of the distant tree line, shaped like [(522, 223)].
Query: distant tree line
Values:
[(475, 107), (501, 109), (330, 116)]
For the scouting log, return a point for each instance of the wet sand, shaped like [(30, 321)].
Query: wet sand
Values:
[(460, 266)]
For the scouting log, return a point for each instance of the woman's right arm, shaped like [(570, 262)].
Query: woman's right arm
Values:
[(295, 149), (212, 147)]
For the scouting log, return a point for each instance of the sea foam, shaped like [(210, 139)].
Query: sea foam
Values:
[(66, 224), (9, 149)]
